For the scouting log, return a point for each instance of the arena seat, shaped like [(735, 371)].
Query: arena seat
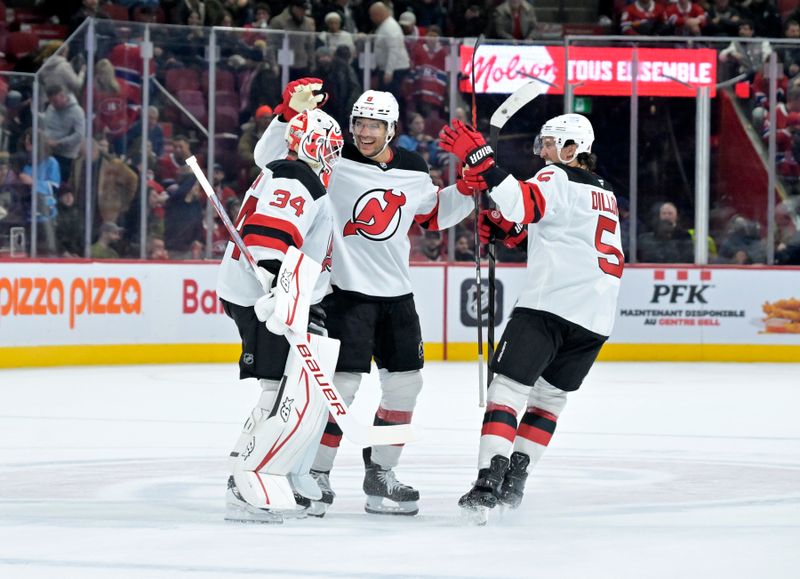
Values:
[(181, 79)]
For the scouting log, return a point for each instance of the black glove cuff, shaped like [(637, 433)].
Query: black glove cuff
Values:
[(494, 176)]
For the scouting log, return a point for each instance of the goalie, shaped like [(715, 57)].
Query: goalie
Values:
[(285, 209)]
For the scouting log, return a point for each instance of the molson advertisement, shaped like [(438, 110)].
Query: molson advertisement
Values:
[(596, 70)]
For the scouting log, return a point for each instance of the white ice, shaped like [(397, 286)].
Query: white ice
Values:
[(656, 470)]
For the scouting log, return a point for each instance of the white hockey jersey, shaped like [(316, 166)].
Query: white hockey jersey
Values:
[(286, 205), (575, 258), (374, 205)]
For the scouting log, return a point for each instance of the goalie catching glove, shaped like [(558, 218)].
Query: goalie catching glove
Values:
[(492, 225), (286, 307), (300, 95)]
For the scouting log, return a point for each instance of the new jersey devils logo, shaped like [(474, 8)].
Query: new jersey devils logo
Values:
[(376, 214)]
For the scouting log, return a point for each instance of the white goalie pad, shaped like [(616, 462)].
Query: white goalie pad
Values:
[(293, 291), (279, 443)]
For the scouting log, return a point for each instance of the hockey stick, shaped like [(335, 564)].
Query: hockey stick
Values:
[(358, 433), (518, 99), (477, 243)]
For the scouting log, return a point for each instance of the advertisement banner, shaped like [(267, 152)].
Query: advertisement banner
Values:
[(594, 71)]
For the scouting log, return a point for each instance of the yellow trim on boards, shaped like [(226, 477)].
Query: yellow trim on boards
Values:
[(124, 354)]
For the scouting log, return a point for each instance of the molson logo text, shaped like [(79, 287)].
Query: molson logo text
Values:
[(43, 296)]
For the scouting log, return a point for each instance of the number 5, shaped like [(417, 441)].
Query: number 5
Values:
[(607, 224)]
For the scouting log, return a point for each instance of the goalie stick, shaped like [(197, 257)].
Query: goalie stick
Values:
[(358, 433)]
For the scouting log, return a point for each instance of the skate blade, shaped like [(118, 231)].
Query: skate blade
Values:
[(376, 506), (477, 516), (317, 509), (237, 513)]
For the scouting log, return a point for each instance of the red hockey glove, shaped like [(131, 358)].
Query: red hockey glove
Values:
[(299, 95), (492, 225), (468, 145), (469, 183)]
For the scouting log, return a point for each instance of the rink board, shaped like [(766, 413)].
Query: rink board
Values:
[(134, 312)]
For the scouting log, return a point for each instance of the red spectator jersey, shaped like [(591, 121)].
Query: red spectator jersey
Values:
[(640, 15), (677, 17), (127, 61), (430, 74), (116, 112)]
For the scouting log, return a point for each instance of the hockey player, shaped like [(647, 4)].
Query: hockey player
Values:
[(377, 192), (566, 311), (285, 207)]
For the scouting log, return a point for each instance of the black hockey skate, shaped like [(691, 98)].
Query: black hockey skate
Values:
[(381, 483), (239, 510), (320, 507), (514, 481), (483, 495)]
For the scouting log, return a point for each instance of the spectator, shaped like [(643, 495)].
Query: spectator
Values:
[(48, 178), (349, 17), (391, 56), (260, 22), (64, 127), (685, 18), (472, 22), (463, 248), (428, 247), (183, 218), (429, 77), (261, 82), (294, 19), (238, 10), (156, 249), (408, 24), (668, 242), (416, 135), (223, 192), (88, 9), (747, 57), (154, 130), (513, 20), (429, 13), (790, 56), (220, 236), (251, 133), (55, 69), (116, 105), (743, 244), (5, 136), (765, 18), (69, 225), (340, 81), (173, 163), (156, 200), (723, 19), (333, 36), (645, 17), (110, 233)]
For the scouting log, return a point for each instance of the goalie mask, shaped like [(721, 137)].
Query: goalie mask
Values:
[(566, 130), (317, 140), (378, 105)]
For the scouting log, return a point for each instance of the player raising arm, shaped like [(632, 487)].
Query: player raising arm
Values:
[(377, 193), (566, 310), (285, 207)]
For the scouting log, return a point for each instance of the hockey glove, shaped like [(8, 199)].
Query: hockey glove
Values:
[(300, 95), (492, 225), (469, 183), (468, 145)]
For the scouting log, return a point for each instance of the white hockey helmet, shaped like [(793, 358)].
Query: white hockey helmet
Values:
[(379, 105), (566, 128), (316, 138)]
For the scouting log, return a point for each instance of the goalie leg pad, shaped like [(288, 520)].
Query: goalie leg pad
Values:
[(261, 411), (399, 397)]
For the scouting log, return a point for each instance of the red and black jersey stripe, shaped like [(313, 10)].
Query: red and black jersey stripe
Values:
[(332, 436), (499, 420), (265, 231), (533, 201), (429, 220), (537, 425)]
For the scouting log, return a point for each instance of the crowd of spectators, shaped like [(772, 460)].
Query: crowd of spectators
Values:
[(409, 57)]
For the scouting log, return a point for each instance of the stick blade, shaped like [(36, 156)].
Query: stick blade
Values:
[(518, 99)]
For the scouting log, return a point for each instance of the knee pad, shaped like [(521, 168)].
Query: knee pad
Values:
[(400, 389), (547, 397)]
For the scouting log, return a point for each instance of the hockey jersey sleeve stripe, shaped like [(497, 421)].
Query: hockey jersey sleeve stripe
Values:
[(265, 222), (533, 201), (429, 220)]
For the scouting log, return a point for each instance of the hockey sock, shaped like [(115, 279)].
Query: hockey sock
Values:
[(538, 424), (506, 398), (400, 391), (347, 383)]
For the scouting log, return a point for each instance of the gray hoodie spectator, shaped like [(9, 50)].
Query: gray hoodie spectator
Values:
[(64, 127)]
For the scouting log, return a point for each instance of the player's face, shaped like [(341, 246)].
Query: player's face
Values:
[(370, 136), (549, 151)]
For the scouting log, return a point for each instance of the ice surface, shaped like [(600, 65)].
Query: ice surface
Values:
[(656, 470)]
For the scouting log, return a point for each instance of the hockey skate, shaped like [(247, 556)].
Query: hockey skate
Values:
[(381, 483), (320, 507), (513, 486), (240, 511), (483, 495)]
